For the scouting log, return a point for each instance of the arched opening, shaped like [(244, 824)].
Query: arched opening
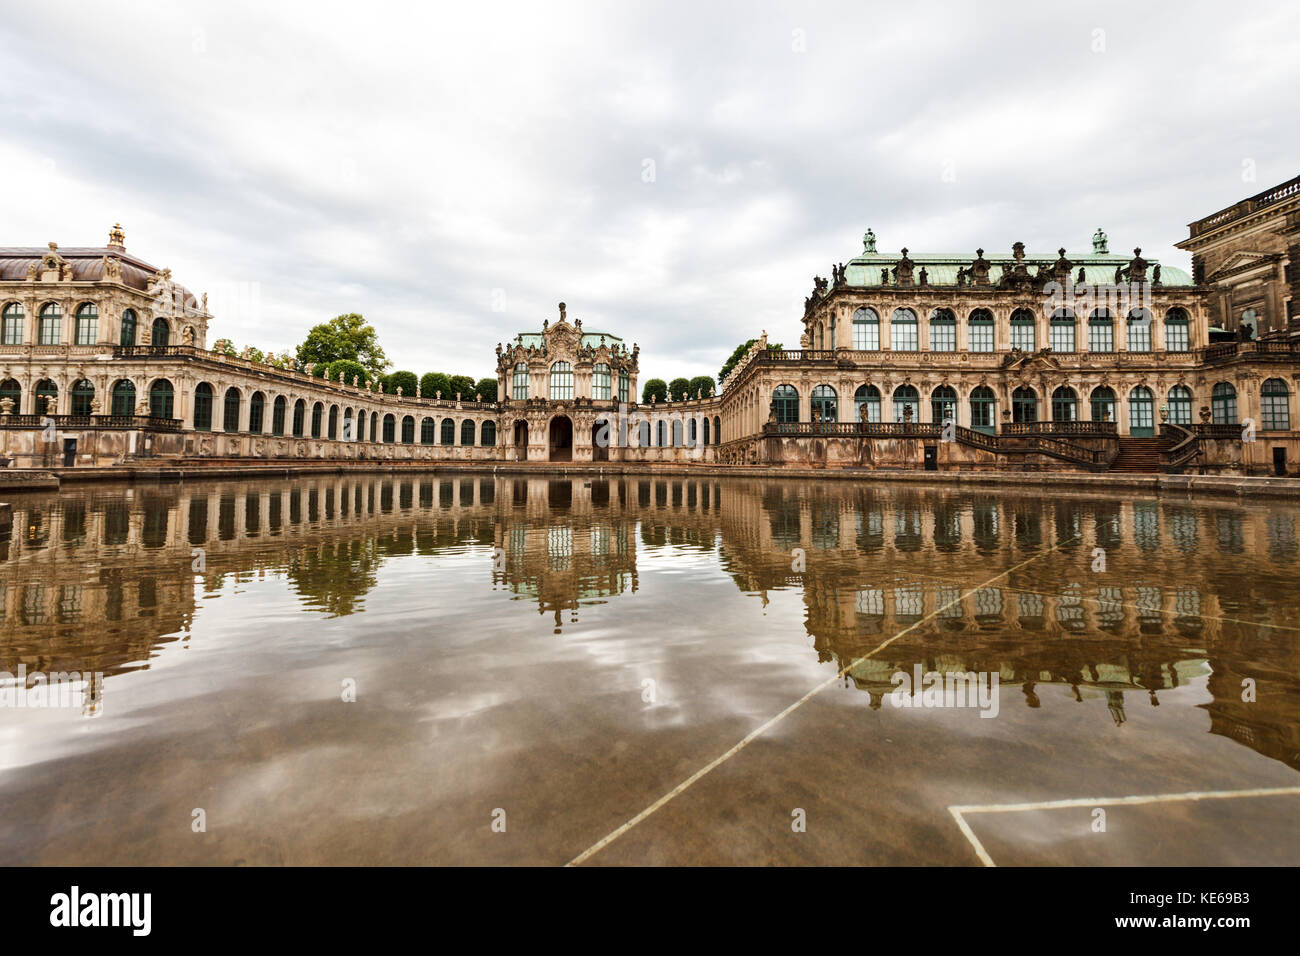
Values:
[(230, 414), (277, 415), (1180, 405), (161, 332), (866, 330), (123, 397), (390, 429), (467, 432), (1023, 328), (785, 403), (521, 440), (1103, 404), (983, 410), (408, 429), (447, 432), (83, 397), (256, 413), (11, 390), (46, 398), (866, 404), (488, 434), (907, 402), (1024, 405), (428, 431), (332, 430), (1141, 413), (561, 438), (717, 430), (203, 407), (85, 328), (943, 405), (1065, 405), (600, 435), (1223, 404), (317, 418), (299, 418), (162, 399), (825, 404), (127, 336), (1274, 406)]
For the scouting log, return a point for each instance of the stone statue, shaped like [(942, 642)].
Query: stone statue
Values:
[(1155, 274), (187, 335), (399, 391), (6, 406)]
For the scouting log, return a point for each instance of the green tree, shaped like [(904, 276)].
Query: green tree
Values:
[(487, 388), (656, 388), (703, 385), (431, 383), (349, 368), (406, 380), (739, 353), (464, 385), (344, 337), (678, 388), (224, 347), (255, 354)]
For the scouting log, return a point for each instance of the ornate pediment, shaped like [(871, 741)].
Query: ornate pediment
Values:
[(1242, 262)]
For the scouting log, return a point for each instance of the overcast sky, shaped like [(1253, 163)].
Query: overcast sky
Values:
[(675, 172)]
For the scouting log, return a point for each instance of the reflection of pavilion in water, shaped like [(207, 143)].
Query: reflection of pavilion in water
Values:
[(101, 579)]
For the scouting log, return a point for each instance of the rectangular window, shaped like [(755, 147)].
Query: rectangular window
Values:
[(622, 387), (87, 330), (1062, 336), (866, 336), (981, 337), (903, 336), (1176, 337), (13, 330), (50, 328), (1274, 412), (1022, 336), (1101, 337), (1139, 336), (943, 336)]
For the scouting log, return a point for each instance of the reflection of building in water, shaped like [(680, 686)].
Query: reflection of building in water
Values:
[(101, 579)]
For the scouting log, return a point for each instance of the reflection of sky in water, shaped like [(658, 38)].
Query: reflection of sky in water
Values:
[(501, 633)]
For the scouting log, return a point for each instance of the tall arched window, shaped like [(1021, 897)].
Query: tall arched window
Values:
[(83, 397), (127, 335), (488, 434), (230, 413), (785, 402), (162, 399), (390, 429), (706, 430), (1274, 405), (1141, 413), (1177, 331), (981, 331), (203, 407), (1101, 332), (1139, 330), (1103, 404), (643, 435), (983, 409), (46, 398), (332, 429), (943, 405), (907, 404), (408, 429), (11, 327), (519, 382), (825, 404), (866, 330), (86, 325), (123, 397), (561, 387), (1061, 331), (692, 433), (256, 413), (1065, 405), (11, 390), (299, 418), (467, 432), (317, 418), (374, 426), (1180, 405), (902, 331), (161, 332), (717, 430), (1223, 404), (600, 382), (448, 432), (1023, 333), (866, 397), (1024, 405), (49, 326), (661, 433), (277, 415), (428, 431), (943, 331), (677, 433)]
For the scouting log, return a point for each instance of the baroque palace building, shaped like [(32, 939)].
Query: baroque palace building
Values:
[(1075, 360)]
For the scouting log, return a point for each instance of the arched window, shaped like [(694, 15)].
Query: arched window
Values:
[(332, 429), (374, 426), (706, 430), (820, 335), (1141, 413), (162, 399), (123, 397), (943, 405), (127, 336), (519, 384), (643, 435), (902, 331), (692, 433), (981, 331), (1139, 330), (1023, 335), (1180, 405), (86, 325), (448, 432), (624, 385), (600, 382), (11, 328), (428, 431), (488, 434), (1103, 404), (83, 396), (1065, 405), (1024, 405), (230, 414), (11, 390), (1061, 331), (408, 429), (467, 432), (717, 430), (943, 330), (277, 415), (907, 404), (1101, 332), (785, 402), (47, 397), (825, 404), (349, 425), (161, 332), (561, 387), (203, 407), (1274, 405), (661, 432), (1177, 331), (299, 418), (866, 397), (866, 330), (390, 429), (256, 413), (317, 418), (677, 433), (49, 326), (983, 409), (361, 424), (1223, 404)]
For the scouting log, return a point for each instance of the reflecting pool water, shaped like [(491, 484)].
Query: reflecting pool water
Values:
[(479, 669)]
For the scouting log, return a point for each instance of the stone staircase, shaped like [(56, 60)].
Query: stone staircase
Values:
[(1139, 455)]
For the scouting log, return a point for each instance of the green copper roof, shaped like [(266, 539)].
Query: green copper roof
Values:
[(941, 267), (589, 339)]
